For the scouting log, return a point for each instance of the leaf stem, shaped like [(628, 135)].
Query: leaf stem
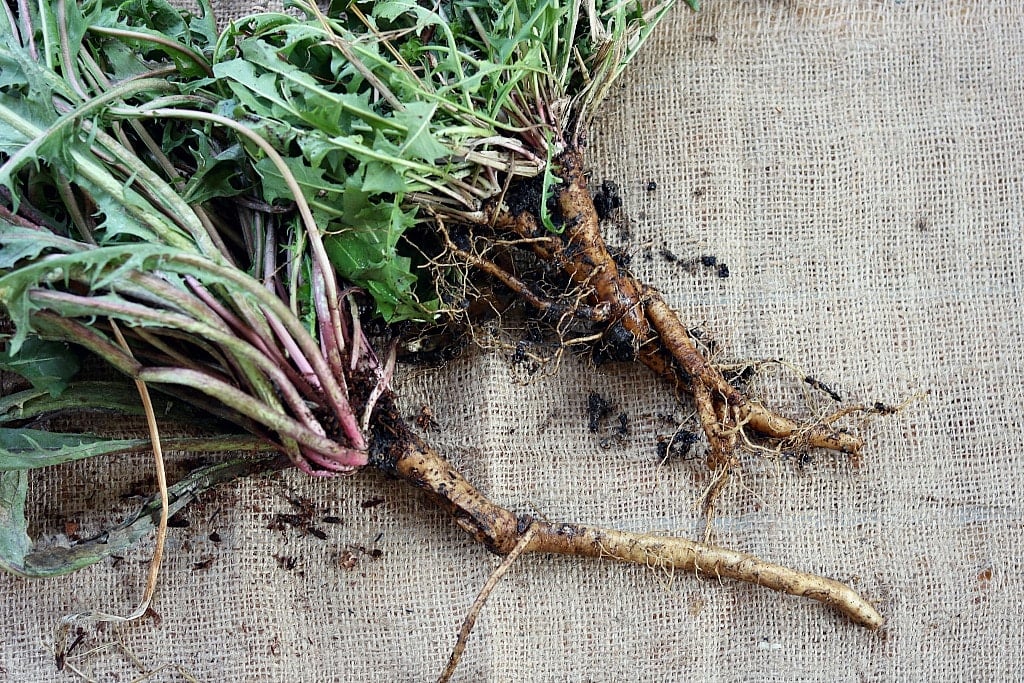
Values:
[(156, 39)]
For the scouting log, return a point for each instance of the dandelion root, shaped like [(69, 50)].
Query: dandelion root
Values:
[(400, 452)]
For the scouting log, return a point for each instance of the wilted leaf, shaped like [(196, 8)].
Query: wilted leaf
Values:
[(17, 555)]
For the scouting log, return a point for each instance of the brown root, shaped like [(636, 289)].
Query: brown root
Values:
[(660, 339), (398, 451), (679, 553)]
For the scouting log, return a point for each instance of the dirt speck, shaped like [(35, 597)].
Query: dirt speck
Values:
[(425, 419), (821, 386), (607, 199), (286, 562), (678, 446), (202, 564), (598, 411), (348, 560), (179, 521)]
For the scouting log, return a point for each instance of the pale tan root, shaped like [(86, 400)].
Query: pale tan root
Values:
[(680, 553), (481, 598), (754, 415), (404, 454)]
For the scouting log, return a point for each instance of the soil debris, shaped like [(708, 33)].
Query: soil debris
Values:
[(302, 520), (179, 521), (884, 409), (678, 446), (607, 199), (693, 264), (821, 386), (598, 411), (202, 564), (425, 419), (286, 562), (349, 557)]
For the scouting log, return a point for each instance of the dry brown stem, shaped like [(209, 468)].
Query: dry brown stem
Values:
[(61, 645), (481, 598)]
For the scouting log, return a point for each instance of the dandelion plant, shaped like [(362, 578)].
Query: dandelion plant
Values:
[(219, 215)]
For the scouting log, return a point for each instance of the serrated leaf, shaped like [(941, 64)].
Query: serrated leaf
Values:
[(15, 543), (20, 243), (18, 556), (48, 365), (217, 173), (312, 181), (393, 9), (164, 21), (420, 143), (27, 449), (364, 251)]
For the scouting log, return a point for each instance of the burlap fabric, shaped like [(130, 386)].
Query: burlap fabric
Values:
[(857, 166)]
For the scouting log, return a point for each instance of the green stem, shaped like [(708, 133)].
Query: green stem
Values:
[(91, 170), (316, 242), (338, 401), (163, 41), (167, 198), (244, 354), (38, 137)]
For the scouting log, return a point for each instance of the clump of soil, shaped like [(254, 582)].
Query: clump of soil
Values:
[(678, 446), (607, 199), (602, 419)]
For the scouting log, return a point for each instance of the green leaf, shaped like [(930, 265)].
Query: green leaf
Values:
[(119, 397), (363, 249), (312, 181), (26, 449), (379, 177), (29, 449), (161, 20), (15, 543), (19, 243), (48, 365), (18, 556), (420, 143), (217, 173)]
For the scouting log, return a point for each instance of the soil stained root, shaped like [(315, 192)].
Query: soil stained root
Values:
[(400, 452), (221, 330), (659, 338)]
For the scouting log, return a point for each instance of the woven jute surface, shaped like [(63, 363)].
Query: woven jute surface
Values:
[(858, 167)]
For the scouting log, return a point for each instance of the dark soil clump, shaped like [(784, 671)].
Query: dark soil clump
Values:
[(607, 199), (599, 409)]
